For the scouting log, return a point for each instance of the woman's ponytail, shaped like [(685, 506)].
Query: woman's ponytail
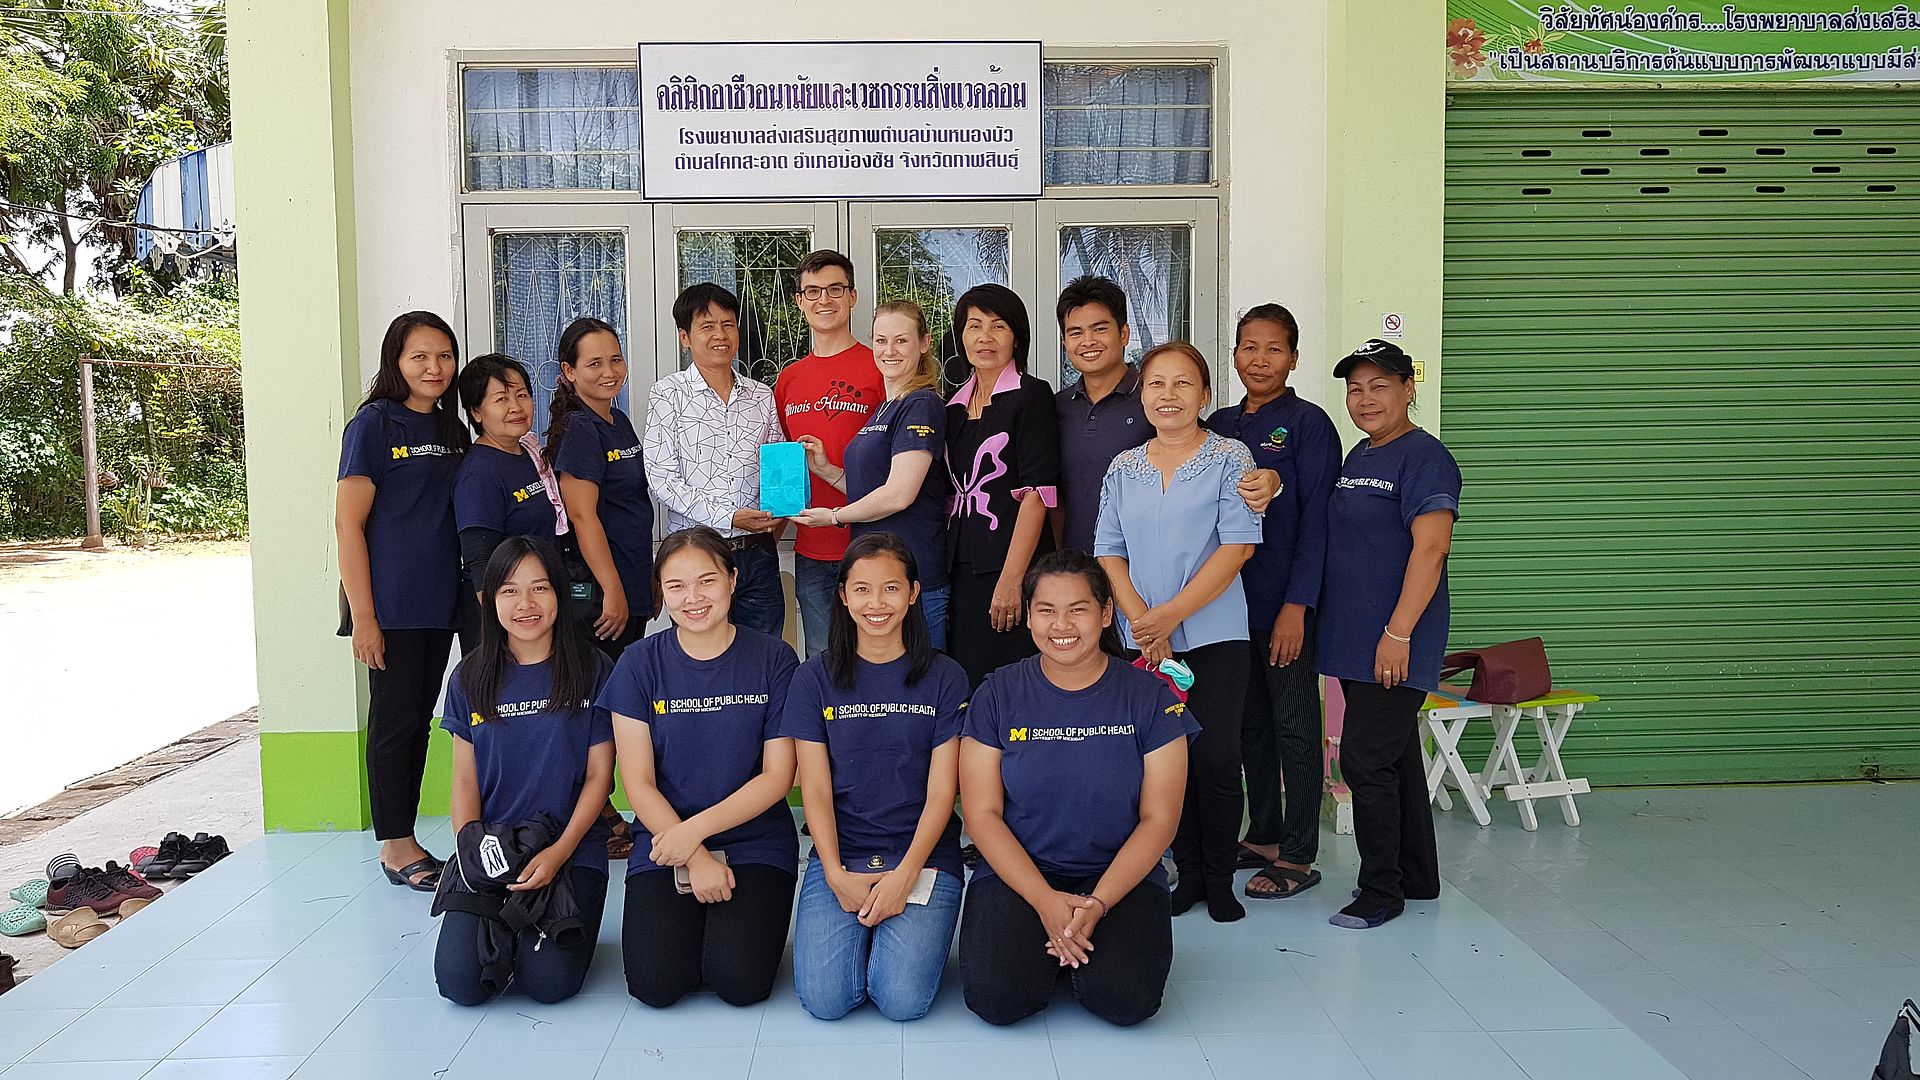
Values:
[(565, 397)]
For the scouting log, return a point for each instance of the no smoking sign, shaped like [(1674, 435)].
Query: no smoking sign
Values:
[(1391, 326)]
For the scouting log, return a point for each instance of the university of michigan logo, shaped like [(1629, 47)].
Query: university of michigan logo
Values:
[(399, 452), (660, 708), (827, 712), (475, 720), (1018, 734)]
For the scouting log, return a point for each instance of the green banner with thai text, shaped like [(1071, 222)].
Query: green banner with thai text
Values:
[(1612, 42)]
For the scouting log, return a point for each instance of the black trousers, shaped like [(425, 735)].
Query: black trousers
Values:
[(1392, 816), (971, 638), (1006, 974), (399, 722), (546, 974), (673, 944), (636, 629), (1280, 738), (1205, 845)]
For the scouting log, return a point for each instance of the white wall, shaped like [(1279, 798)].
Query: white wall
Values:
[(1273, 232)]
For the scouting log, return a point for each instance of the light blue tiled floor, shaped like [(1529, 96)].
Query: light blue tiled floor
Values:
[(1750, 933)]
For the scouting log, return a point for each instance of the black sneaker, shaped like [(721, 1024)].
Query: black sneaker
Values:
[(129, 883), (201, 852), (85, 888), (160, 866), (6, 972)]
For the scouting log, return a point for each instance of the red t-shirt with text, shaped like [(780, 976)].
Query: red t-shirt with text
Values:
[(830, 398)]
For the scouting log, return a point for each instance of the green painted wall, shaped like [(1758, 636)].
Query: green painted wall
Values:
[(293, 178), (1386, 153)]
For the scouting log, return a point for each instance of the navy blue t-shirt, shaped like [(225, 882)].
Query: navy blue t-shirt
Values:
[(1293, 437), (412, 546), (1072, 760), (917, 421), (1369, 539), (607, 453), (502, 492), (880, 738), (708, 720), (534, 758)]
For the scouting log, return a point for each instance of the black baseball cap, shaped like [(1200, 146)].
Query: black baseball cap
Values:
[(1390, 357)]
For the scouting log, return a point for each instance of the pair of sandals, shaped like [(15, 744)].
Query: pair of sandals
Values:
[(1286, 881)]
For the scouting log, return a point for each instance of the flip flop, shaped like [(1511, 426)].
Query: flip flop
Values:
[(142, 855), (1249, 859), (22, 920), (619, 835), (131, 905), (404, 876), (76, 928), (1287, 882), (32, 893)]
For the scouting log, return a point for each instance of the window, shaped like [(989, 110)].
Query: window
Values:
[(546, 128), (544, 280), (1119, 124)]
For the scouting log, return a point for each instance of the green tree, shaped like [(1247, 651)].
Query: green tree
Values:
[(93, 95)]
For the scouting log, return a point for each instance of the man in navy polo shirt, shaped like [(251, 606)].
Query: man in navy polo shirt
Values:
[(1100, 415)]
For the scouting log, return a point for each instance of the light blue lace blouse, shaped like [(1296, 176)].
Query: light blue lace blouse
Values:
[(1166, 536)]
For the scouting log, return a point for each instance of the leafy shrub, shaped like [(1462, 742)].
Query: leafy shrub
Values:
[(171, 441)]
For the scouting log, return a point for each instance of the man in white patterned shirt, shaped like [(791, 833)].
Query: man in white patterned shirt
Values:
[(705, 426)]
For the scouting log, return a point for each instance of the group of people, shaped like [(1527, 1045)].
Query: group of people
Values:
[(1087, 614)]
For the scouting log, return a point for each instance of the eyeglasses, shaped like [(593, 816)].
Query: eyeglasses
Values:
[(815, 292)]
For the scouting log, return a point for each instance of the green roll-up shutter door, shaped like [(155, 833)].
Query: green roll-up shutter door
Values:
[(1682, 378)]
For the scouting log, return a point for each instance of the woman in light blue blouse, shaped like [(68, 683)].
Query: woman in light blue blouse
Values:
[(1172, 535)]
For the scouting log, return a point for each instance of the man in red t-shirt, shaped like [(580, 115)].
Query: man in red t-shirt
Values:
[(829, 393)]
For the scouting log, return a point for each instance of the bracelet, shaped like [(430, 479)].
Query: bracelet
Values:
[(1103, 904), (1388, 630)]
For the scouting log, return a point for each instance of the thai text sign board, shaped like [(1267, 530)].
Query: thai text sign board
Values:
[(1686, 41), (830, 120)]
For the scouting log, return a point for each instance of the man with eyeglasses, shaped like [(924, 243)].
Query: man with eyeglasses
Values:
[(829, 393)]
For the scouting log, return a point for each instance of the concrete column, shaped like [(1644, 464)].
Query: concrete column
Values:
[(1386, 150), (299, 323)]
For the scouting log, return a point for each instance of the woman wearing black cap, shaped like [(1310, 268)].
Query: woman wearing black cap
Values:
[(1384, 626)]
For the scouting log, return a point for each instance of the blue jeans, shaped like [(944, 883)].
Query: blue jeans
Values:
[(758, 601), (815, 583), (933, 603), (837, 963)]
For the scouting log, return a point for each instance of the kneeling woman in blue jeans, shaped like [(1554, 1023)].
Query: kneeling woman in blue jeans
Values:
[(1072, 771), (876, 724)]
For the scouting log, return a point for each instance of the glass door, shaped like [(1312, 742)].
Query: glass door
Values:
[(930, 253), (752, 250), (532, 269), (1165, 253)]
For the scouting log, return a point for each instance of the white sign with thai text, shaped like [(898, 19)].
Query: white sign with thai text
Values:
[(826, 120)]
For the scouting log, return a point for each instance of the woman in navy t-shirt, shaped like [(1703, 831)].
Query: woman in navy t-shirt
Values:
[(1072, 772), (594, 448), (500, 491), (1383, 625), (528, 740), (876, 719), (696, 717), (890, 479), (400, 569)]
